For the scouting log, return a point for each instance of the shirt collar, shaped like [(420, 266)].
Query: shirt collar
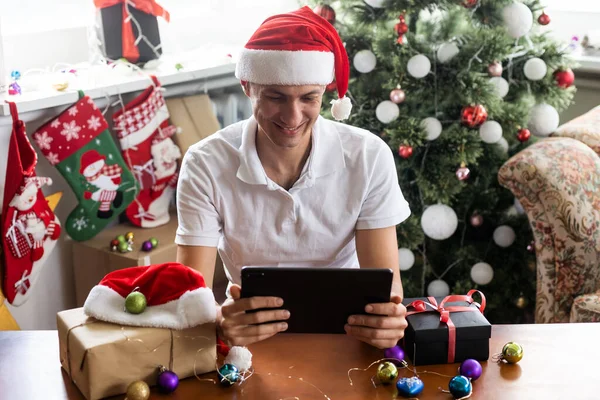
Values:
[(326, 156)]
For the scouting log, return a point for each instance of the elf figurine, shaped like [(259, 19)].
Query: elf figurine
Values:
[(105, 178)]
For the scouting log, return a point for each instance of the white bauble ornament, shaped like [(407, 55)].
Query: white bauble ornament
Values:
[(364, 61), (433, 127), (482, 273), (438, 288), (446, 52), (535, 69), (518, 19), (406, 259), (503, 144), (376, 3), (504, 236), (418, 66), (439, 221), (501, 85), (490, 132), (387, 111), (543, 120)]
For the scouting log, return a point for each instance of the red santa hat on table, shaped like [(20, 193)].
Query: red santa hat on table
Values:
[(176, 296), (297, 48)]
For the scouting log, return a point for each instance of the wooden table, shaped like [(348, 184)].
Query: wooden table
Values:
[(559, 363)]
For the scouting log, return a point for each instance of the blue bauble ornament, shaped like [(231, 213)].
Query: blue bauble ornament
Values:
[(228, 374), (409, 387), (460, 386), (15, 74), (471, 369)]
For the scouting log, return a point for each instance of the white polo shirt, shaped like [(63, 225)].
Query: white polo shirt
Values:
[(225, 199)]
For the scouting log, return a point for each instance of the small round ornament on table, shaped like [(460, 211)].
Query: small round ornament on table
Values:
[(387, 372), (564, 77), (523, 135), (460, 387), (406, 259), (114, 244), (446, 52), (544, 19), (518, 19), (228, 375), (364, 61), (463, 173), (147, 245), (471, 369), (433, 127), (387, 111), (504, 236), (501, 86), (129, 237), (167, 380), (473, 116), (490, 132), (512, 352), (121, 239), (543, 120), (397, 95), (395, 354), (495, 69), (439, 221), (476, 220), (325, 11), (154, 242), (124, 247), (409, 387), (135, 303), (535, 69), (482, 273), (138, 390), (405, 151), (418, 66), (438, 288)]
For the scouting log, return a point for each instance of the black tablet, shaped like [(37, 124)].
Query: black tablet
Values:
[(319, 300)]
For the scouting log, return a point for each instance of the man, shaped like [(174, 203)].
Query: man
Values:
[(290, 188)]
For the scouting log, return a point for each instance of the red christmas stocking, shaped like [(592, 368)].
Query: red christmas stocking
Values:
[(29, 227), (145, 136)]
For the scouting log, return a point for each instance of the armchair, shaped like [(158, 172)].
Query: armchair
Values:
[(557, 181)]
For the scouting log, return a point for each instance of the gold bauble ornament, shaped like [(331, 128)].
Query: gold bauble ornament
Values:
[(387, 372), (138, 390), (129, 236), (521, 302), (512, 352)]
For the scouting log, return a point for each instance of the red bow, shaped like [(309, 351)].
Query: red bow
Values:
[(130, 49), (421, 306)]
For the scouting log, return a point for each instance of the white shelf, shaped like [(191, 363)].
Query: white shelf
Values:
[(185, 81), (588, 64)]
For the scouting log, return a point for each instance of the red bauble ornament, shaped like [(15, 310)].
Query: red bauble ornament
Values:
[(463, 173), (473, 116), (332, 87), (326, 12), (405, 151), (476, 220), (544, 19), (401, 28), (564, 77), (469, 3), (523, 135), (495, 69), (397, 96)]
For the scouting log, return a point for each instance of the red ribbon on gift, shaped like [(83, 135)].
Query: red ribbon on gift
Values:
[(130, 49), (420, 306)]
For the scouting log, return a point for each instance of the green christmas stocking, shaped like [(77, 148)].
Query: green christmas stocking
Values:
[(81, 147)]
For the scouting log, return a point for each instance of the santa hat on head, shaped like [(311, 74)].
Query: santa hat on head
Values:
[(90, 157), (297, 48), (176, 296), (36, 181)]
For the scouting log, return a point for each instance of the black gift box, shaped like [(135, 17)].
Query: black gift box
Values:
[(111, 29), (426, 337)]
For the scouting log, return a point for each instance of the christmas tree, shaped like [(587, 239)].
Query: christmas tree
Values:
[(455, 87)]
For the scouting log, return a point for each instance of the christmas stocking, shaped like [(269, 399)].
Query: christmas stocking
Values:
[(29, 227), (79, 144), (145, 136)]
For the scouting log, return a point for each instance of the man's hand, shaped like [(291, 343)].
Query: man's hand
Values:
[(383, 330), (240, 328)]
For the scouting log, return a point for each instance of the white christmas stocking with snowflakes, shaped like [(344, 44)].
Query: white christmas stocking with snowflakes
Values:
[(145, 136), (79, 144)]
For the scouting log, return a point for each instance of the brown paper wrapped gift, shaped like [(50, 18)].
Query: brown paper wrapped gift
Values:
[(103, 359)]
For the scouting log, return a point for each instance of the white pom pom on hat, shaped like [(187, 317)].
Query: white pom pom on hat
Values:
[(297, 48)]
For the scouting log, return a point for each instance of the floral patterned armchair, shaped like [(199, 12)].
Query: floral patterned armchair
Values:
[(557, 180)]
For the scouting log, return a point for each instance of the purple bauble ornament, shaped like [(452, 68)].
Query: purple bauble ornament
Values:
[(395, 353), (470, 368), (147, 245), (167, 381)]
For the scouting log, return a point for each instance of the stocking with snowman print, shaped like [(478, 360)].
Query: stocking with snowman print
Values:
[(145, 136), (29, 227), (79, 144)]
